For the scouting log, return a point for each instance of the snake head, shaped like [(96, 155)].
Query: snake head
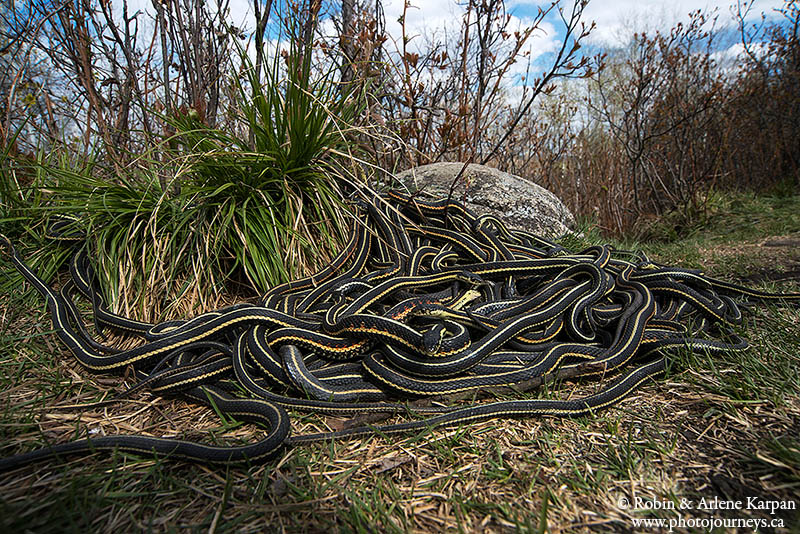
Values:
[(471, 278), (432, 339)]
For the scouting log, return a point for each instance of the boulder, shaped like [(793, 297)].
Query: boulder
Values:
[(517, 202)]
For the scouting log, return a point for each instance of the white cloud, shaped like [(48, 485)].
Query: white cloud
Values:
[(732, 57), (424, 22), (432, 22), (241, 15), (423, 17), (544, 40), (617, 20)]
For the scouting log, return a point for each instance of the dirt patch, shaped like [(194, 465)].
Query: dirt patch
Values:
[(771, 275), (788, 242), (771, 259)]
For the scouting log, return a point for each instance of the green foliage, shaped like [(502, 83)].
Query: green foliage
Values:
[(267, 189), (254, 205), (15, 201), (25, 187), (741, 216)]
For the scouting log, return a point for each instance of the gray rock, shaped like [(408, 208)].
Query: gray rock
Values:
[(519, 203)]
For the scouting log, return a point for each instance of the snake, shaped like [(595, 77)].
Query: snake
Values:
[(427, 299)]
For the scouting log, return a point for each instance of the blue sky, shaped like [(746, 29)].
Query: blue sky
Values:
[(616, 18), (615, 22)]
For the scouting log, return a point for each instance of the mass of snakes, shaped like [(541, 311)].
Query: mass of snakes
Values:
[(427, 300)]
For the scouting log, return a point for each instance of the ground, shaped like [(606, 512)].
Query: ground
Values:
[(718, 430)]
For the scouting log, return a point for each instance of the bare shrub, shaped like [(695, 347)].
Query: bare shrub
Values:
[(763, 119), (115, 86)]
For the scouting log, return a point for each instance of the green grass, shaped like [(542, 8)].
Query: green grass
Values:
[(207, 213), (731, 219), (716, 425)]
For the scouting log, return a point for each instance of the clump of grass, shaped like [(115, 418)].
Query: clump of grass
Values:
[(275, 185), (19, 195), (25, 191), (216, 212)]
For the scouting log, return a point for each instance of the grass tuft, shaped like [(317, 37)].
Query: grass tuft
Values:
[(212, 214)]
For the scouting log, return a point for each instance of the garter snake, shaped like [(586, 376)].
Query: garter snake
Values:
[(427, 298)]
